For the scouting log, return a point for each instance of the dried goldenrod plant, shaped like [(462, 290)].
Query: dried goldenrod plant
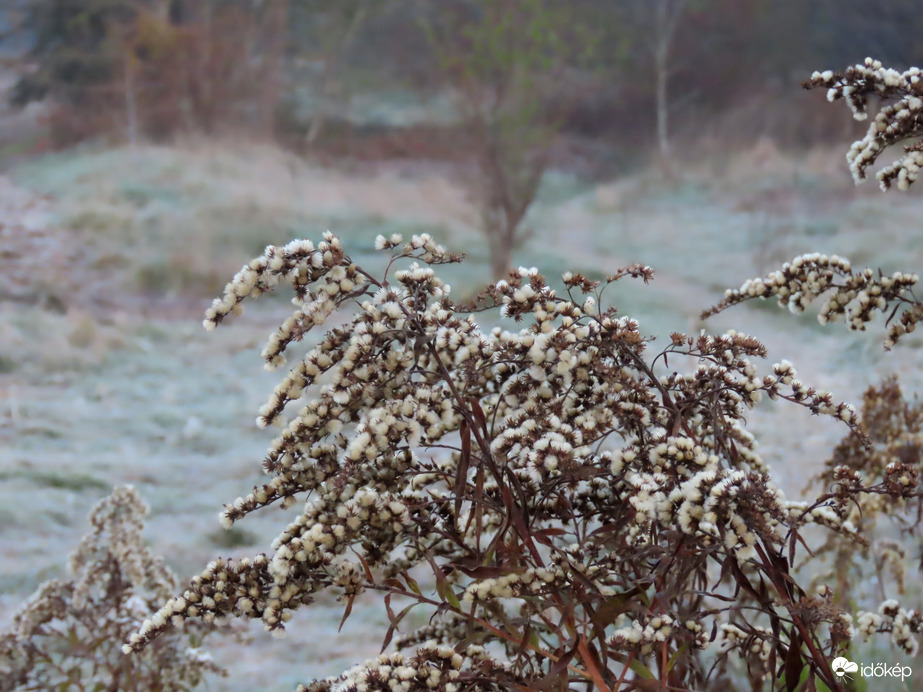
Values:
[(876, 562), (855, 297), (69, 634), (897, 122), (588, 516), (585, 515), (877, 470)]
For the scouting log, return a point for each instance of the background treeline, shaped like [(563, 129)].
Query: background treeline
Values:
[(640, 75)]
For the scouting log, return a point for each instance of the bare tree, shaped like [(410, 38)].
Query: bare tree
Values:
[(658, 21), (505, 59)]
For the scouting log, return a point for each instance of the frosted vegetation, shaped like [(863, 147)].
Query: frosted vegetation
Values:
[(66, 635), (128, 389)]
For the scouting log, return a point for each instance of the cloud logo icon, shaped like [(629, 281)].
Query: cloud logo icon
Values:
[(841, 666)]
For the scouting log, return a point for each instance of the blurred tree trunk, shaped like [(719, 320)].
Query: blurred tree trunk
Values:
[(509, 178), (647, 31), (131, 101), (667, 16), (270, 54), (339, 36), (206, 71)]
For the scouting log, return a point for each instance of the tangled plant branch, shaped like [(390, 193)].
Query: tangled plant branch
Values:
[(585, 515), (854, 296), (900, 120)]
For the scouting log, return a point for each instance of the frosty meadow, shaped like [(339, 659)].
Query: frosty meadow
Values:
[(571, 506)]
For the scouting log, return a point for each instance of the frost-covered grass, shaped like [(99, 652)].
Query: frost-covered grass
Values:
[(94, 398), (182, 220)]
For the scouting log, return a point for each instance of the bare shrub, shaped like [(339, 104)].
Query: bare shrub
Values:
[(508, 63), (69, 634)]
